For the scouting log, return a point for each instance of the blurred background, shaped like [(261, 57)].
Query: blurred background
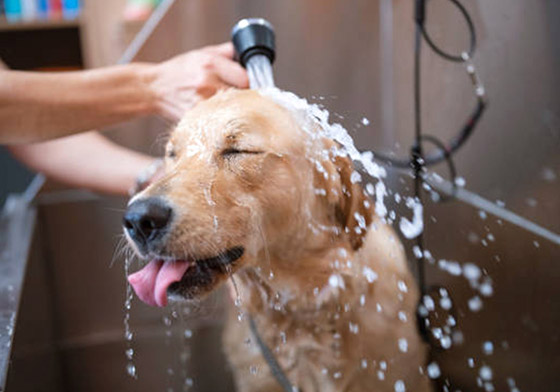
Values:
[(355, 58)]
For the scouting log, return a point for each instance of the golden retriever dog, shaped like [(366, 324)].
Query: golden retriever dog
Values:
[(252, 197)]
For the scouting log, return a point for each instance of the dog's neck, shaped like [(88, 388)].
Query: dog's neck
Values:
[(295, 289)]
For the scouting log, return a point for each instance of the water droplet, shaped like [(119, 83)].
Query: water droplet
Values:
[(470, 362), (460, 182), (402, 316), (488, 348), (412, 229), (403, 345), (365, 121), (445, 341), (363, 363), (402, 286), (475, 303), (531, 202), (486, 289), (353, 328), (188, 333), (471, 271), (417, 251), (337, 375), (371, 275), (482, 215), (399, 386), (485, 373), (336, 281), (433, 370), (445, 303), (253, 370), (166, 321), (362, 300), (131, 370)]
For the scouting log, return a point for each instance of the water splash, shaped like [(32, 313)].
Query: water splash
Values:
[(128, 335), (259, 71)]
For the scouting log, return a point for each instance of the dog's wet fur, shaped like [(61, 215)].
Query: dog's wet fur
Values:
[(331, 299)]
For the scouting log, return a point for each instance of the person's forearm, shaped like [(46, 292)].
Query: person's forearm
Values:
[(89, 161), (40, 106)]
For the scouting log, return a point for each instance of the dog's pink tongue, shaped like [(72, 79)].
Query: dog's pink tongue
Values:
[(152, 281)]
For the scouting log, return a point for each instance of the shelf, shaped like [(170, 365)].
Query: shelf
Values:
[(39, 24)]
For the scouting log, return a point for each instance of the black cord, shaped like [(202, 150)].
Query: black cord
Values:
[(469, 126), (417, 161), (472, 33)]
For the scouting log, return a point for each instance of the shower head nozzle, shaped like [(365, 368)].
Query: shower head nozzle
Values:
[(253, 36)]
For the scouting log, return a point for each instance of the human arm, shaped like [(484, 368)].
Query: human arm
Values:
[(41, 106), (89, 161)]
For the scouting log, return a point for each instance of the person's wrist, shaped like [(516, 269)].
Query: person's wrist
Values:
[(146, 75)]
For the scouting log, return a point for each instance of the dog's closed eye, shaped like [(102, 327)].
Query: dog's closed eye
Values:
[(232, 151)]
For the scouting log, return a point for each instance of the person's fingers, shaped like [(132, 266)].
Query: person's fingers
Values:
[(231, 72), (225, 50)]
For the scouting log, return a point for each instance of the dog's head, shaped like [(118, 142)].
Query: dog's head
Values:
[(245, 185)]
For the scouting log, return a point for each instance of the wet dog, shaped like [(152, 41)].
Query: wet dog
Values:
[(253, 197)]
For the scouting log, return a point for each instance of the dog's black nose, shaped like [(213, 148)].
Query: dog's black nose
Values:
[(147, 219)]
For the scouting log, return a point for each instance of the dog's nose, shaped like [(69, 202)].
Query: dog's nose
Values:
[(147, 219)]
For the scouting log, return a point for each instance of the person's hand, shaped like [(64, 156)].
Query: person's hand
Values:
[(181, 82)]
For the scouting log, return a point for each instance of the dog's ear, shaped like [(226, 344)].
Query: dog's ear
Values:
[(354, 210)]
